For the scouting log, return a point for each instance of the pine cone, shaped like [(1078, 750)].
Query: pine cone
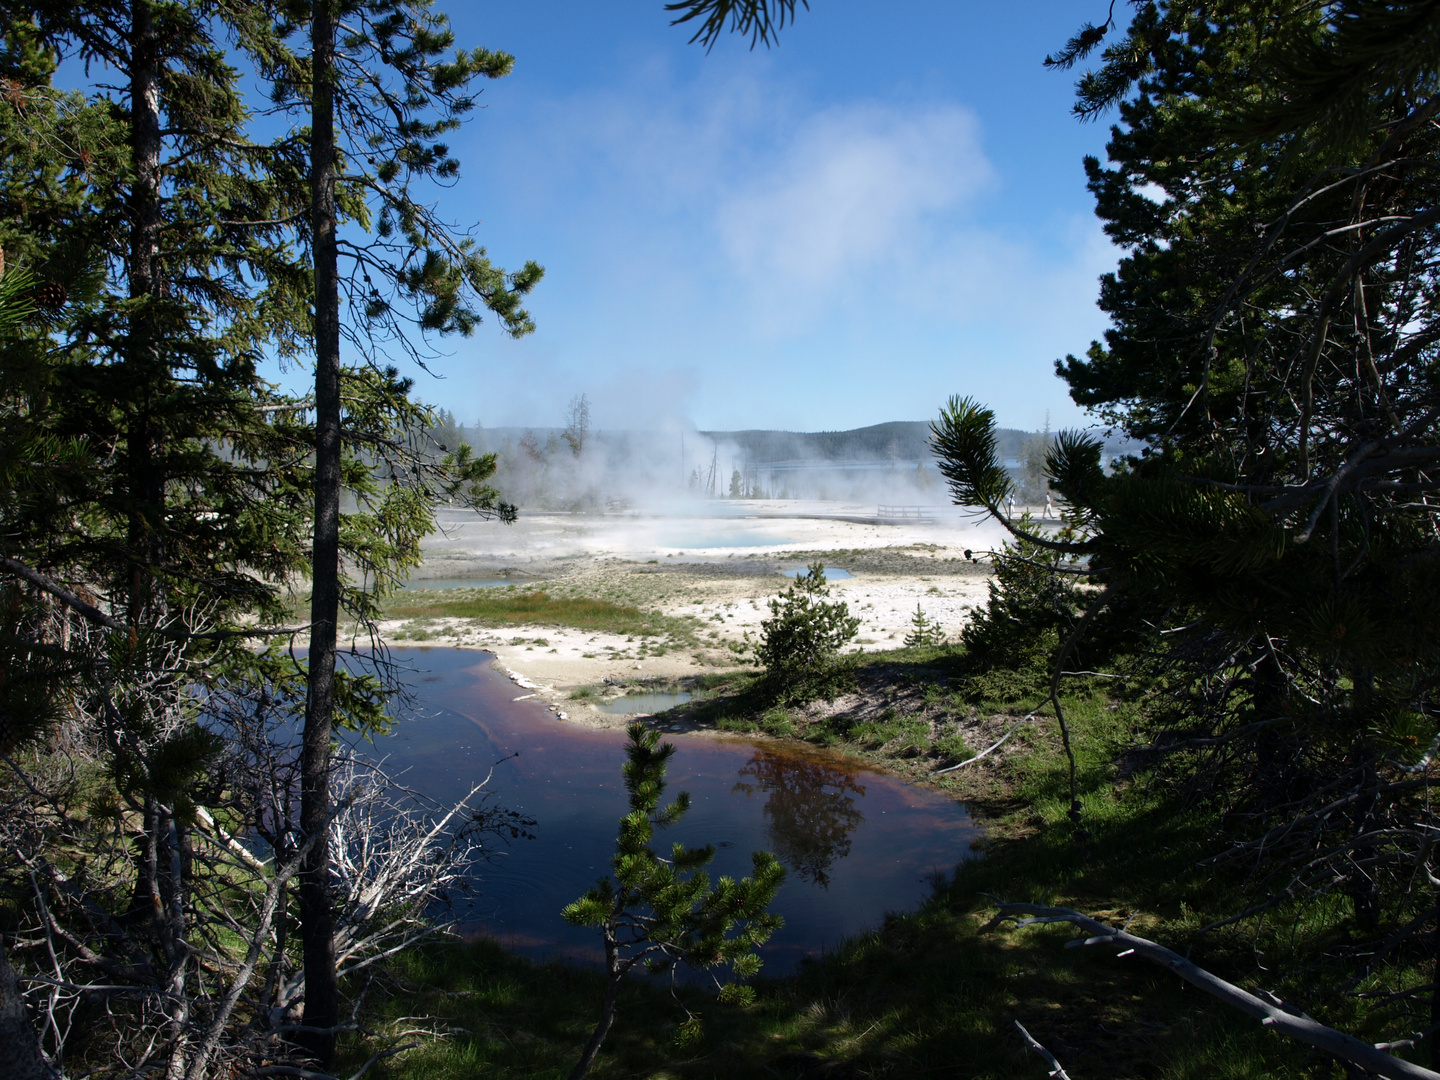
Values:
[(51, 295)]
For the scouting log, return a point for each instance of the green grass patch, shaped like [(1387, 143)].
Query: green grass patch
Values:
[(777, 722), (497, 607), (892, 728)]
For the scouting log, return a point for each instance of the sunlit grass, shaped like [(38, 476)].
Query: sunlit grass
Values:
[(501, 607)]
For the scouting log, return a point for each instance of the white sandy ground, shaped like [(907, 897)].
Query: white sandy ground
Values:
[(652, 563)]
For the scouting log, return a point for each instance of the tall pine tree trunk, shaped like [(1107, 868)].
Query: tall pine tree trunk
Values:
[(1435, 989), (142, 359), (322, 992), (144, 375), (615, 974), (19, 1044)]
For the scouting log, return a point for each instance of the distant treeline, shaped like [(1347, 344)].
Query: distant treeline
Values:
[(905, 440), (582, 469)]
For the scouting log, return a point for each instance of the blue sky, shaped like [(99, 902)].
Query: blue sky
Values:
[(886, 209)]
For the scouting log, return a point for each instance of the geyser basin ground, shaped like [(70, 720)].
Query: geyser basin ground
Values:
[(644, 561), (857, 843), (458, 583), (698, 529)]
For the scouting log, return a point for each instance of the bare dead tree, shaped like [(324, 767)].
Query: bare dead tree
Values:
[(577, 424), (154, 924)]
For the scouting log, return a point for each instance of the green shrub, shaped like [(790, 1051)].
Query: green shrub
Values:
[(799, 645)]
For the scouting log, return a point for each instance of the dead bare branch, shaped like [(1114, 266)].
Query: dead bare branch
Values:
[(1056, 1069), (1270, 1013)]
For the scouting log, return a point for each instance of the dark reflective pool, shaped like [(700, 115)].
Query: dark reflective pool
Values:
[(644, 703), (857, 843), (832, 573)]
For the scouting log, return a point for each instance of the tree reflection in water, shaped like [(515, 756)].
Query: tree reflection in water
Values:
[(810, 810)]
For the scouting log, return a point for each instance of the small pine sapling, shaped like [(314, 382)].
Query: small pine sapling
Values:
[(658, 912), (924, 631), (800, 643)]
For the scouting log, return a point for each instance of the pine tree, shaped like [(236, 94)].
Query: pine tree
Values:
[(657, 912), (924, 631), (799, 644), (172, 504), (1290, 416), (154, 217), (1273, 344), (146, 513), (156, 368), (380, 100)]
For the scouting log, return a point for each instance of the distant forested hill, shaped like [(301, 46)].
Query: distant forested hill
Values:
[(899, 439), (903, 440)]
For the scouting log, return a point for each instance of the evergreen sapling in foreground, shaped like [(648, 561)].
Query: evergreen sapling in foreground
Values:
[(658, 912)]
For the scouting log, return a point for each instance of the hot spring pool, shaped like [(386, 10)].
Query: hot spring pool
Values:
[(630, 704), (722, 538), (857, 843)]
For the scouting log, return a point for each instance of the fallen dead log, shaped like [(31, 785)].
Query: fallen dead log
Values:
[(1271, 1013)]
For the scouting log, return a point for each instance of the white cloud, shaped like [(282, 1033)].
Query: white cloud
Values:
[(721, 244), (851, 193)]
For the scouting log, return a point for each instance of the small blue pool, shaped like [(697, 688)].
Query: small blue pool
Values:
[(644, 703)]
